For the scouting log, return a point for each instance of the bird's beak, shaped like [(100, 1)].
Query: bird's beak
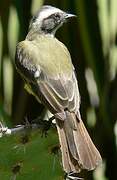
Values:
[(68, 16)]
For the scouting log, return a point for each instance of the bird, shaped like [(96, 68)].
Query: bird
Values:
[(46, 67)]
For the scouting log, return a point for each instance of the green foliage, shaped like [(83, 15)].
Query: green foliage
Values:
[(30, 157)]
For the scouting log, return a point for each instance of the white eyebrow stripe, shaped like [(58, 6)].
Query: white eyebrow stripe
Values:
[(48, 12)]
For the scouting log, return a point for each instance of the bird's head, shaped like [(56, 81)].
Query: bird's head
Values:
[(49, 19)]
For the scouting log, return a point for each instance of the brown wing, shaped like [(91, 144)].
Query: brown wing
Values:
[(61, 93)]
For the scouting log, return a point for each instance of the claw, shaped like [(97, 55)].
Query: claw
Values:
[(4, 130), (46, 126), (73, 176)]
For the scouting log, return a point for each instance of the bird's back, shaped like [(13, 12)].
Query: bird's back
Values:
[(50, 55)]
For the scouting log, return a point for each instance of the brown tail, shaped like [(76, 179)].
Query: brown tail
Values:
[(77, 148)]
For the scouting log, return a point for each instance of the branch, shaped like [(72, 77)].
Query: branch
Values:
[(44, 125)]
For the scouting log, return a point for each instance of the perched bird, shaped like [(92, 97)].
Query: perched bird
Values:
[(46, 67)]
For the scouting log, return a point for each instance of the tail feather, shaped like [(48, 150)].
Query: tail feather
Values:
[(78, 150), (69, 164), (89, 156)]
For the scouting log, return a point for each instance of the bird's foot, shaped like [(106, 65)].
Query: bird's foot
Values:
[(72, 176)]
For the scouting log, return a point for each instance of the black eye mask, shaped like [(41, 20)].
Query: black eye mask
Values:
[(50, 23)]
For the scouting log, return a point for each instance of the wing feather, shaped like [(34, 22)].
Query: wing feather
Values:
[(60, 92)]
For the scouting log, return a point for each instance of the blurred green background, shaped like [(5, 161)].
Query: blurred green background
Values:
[(92, 42)]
